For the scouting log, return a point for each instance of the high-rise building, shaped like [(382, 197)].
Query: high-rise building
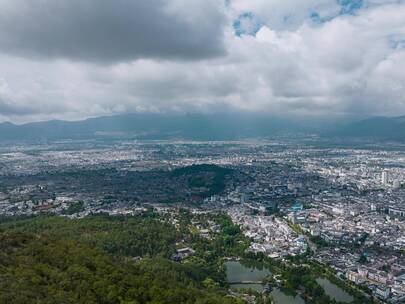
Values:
[(384, 177)]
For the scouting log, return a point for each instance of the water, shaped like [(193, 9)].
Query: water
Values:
[(334, 291), (281, 298), (236, 272)]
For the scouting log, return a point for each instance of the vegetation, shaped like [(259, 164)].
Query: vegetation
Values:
[(60, 260), (46, 269), (303, 277), (74, 208), (299, 276), (127, 236), (208, 176), (363, 259), (317, 240), (125, 259)]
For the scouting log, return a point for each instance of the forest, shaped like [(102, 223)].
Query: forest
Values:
[(103, 259), (128, 259)]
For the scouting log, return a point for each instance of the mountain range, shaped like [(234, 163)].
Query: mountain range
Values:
[(153, 126), (377, 128), (219, 126)]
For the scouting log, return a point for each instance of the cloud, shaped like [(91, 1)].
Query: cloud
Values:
[(280, 61), (334, 67), (287, 14), (112, 30)]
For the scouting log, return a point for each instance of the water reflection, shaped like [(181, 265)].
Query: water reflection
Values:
[(237, 273), (334, 291)]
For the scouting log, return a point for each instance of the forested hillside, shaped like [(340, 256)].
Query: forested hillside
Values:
[(98, 260)]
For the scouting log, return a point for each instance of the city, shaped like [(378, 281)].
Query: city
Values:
[(344, 206)]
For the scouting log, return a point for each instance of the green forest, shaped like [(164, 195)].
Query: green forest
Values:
[(129, 259), (210, 176), (97, 260)]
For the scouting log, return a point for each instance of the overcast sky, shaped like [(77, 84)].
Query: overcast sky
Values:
[(71, 59)]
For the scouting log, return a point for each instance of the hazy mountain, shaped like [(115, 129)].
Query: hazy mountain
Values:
[(219, 126), (380, 128), (156, 126)]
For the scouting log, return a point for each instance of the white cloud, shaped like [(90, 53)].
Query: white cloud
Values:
[(349, 64)]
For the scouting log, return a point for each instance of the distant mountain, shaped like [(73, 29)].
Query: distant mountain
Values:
[(155, 126), (379, 128), (218, 126)]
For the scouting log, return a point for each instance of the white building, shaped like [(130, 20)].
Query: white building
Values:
[(384, 177)]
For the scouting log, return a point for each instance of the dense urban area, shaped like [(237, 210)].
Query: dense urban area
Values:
[(315, 222)]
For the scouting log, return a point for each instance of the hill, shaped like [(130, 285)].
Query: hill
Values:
[(52, 270), (220, 126), (57, 260), (377, 128)]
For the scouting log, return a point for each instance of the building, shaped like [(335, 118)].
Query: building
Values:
[(182, 254), (244, 198), (396, 184), (382, 293), (396, 212), (384, 177), (297, 207), (292, 217), (354, 276)]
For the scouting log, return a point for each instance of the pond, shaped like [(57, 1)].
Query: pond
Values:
[(334, 291), (237, 273)]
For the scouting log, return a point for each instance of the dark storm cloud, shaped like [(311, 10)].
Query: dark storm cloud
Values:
[(111, 30)]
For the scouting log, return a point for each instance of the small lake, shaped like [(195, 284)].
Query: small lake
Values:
[(237, 272), (334, 291)]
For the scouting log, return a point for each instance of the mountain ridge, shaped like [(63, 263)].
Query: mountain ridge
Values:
[(152, 126), (219, 126), (377, 128)]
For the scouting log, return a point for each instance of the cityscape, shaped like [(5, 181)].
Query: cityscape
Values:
[(344, 207)]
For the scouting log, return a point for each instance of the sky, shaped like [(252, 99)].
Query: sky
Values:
[(73, 59)]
